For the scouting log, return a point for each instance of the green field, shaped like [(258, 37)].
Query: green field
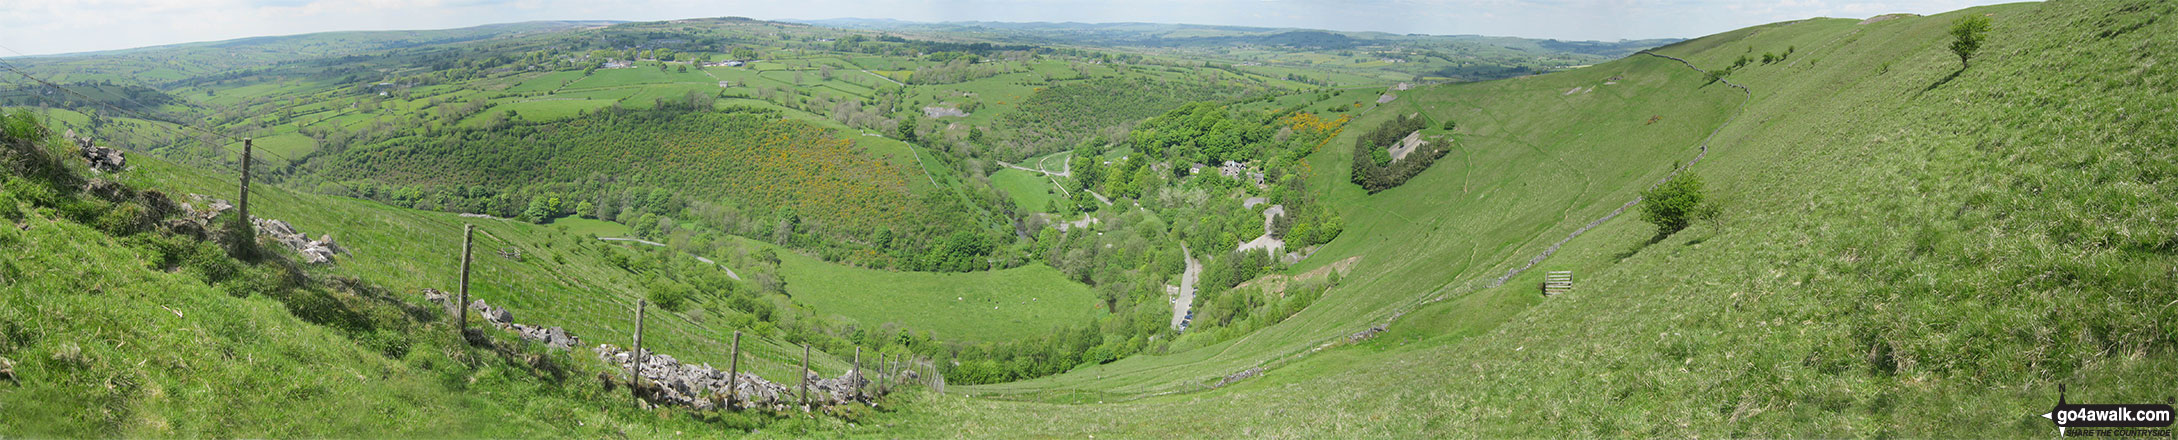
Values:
[(547, 82), (975, 306), (550, 109), (281, 147), (1758, 324), (645, 74), (1905, 245), (1031, 192), (582, 226)]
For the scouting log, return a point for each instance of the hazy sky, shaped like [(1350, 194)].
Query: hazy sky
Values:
[(62, 26)]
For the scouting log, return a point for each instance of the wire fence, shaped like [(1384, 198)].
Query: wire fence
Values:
[(771, 359)]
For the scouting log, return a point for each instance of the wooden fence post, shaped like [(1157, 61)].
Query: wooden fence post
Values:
[(858, 371), (637, 355), (468, 236), (733, 371), (247, 224), (805, 377)]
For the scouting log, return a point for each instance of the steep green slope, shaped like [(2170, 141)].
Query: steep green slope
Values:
[(1513, 179), (563, 279), (1906, 249), (116, 323)]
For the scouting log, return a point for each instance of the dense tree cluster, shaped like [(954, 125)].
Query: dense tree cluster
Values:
[(784, 181), (131, 97), (1130, 257), (892, 45), (953, 69), (1062, 115), (1373, 168), (1204, 132)]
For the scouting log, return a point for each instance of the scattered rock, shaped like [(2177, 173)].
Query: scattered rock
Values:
[(326, 241), (211, 207), (663, 379), (495, 315), (940, 112), (445, 301), (318, 251), (1366, 334), (1240, 376), (554, 337), (102, 159), (7, 371)]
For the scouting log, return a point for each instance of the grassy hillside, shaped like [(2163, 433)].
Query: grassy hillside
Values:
[(971, 307), (115, 324), (564, 279), (1903, 251), (1906, 246), (1514, 180)]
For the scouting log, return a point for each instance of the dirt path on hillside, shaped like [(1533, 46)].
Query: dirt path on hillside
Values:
[(1100, 197), (883, 77), (1032, 170), (918, 163), (1066, 167), (1067, 171)]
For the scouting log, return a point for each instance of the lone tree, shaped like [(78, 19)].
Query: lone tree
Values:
[(907, 129), (1675, 204), (1967, 34)]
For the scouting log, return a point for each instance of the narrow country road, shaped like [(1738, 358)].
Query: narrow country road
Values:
[(1100, 197), (1067, 169), (1187, 287), (883, 77), (1033, 170)]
